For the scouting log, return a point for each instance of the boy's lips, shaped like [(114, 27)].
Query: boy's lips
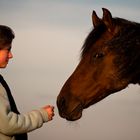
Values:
[(7, 61)]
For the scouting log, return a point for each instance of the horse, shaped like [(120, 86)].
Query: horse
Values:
[(109, 62)]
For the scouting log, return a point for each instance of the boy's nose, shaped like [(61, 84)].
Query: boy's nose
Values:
[(10, 55)]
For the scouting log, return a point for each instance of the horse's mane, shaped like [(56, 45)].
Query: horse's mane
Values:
[(127, 43)]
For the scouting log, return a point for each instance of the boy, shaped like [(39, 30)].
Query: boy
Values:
[(13, 125)]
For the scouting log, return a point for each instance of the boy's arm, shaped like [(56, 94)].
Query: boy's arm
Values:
[(12, 123)]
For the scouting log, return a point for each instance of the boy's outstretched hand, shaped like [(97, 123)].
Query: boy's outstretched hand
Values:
[(50, 111)]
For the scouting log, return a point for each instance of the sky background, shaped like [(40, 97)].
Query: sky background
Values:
[(49, 35)]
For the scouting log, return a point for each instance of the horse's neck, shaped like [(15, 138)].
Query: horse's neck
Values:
[(136, 77)]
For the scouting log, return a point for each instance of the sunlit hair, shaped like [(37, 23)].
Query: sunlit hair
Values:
[(6, 35)]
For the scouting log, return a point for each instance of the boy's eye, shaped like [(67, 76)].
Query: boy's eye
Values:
[(9, 49)]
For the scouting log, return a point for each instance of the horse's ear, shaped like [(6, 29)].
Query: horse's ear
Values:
[(108, 20), (95, 19)]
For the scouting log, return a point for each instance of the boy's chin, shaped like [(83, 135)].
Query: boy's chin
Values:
[(4, 66)]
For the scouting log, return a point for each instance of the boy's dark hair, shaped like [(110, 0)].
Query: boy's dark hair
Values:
[(6, 35)]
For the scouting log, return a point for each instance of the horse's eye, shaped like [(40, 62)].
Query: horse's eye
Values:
[(98, 55)]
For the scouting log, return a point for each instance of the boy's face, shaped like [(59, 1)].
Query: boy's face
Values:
[(5, 55)]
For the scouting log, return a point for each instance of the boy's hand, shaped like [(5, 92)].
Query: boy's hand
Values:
[(50, 111)]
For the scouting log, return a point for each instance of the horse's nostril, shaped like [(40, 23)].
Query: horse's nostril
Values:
[(61, 103)]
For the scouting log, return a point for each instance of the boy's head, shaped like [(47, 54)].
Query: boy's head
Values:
[(6, 36)]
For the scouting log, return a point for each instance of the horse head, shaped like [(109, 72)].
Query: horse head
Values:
[(109, 62)]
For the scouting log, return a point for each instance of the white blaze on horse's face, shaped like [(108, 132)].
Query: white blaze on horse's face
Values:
[(102, 69)]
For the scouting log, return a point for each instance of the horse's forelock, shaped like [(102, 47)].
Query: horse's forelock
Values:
[(91, 38)]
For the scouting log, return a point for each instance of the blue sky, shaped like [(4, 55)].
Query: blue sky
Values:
[(61, 12), (49, 36)]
